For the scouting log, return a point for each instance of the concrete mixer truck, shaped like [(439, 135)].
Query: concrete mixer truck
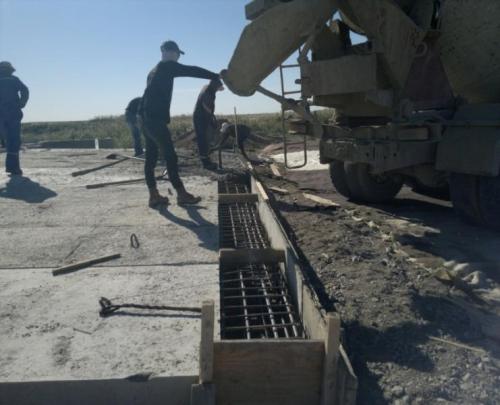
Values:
[(416, 101)]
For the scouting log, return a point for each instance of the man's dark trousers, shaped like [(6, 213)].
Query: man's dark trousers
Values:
[(159, 140), (136, 133), (203, 126), (12, 130)]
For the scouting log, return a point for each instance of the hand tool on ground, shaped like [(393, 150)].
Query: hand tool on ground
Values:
[(122, 182), (94, 169), (108, 308), (119, 155)]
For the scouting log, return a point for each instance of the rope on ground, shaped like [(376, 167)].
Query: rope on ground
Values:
[(134, 241), (108, 308)]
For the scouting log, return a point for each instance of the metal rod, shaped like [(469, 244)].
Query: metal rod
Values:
[(257, 327)]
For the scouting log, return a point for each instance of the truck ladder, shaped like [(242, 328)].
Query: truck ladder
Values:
[(285, 93)]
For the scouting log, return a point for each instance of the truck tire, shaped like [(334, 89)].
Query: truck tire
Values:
[(366, 187), (337, 175), (464, 191)]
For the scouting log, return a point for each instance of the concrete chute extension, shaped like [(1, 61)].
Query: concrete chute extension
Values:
[(271, 38)]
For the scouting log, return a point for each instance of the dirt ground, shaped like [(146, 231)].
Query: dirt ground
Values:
[(417, 290)]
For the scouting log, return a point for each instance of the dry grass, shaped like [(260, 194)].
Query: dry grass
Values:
[(266, 125)]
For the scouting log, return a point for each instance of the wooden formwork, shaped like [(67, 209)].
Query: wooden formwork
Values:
[(315, 370)]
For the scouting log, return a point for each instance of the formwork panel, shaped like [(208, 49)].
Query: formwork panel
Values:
[(268, 372)]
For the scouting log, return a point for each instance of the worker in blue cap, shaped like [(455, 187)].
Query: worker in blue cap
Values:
[(13, 98)]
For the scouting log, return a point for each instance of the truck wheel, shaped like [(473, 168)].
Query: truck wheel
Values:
[(464, 191), (337, 175), (368, 187)]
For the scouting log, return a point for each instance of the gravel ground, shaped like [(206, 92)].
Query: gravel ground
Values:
[(377, 267)]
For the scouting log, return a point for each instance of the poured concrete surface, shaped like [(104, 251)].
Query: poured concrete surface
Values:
[(49, 326)]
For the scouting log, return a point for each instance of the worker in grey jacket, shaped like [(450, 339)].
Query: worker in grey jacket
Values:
[(13, 98)]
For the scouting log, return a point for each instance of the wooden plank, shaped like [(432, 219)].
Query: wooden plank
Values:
[(312, 318), (261, 190), (235, 257), (278, 239), (330, 366), (207, 342), (321, 200), (305, 298), (158, 390), (279, 190), (238, 198), (84, 264), (202, 394), (268, 372), (276, 171)]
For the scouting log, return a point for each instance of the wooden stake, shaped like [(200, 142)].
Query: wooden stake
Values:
[(332, 342), (82, 265), (207, 342), (456, 344)]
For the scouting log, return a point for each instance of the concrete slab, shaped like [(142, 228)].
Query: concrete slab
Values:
[(50, 327)]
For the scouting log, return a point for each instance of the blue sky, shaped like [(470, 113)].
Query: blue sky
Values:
[(88, 58)]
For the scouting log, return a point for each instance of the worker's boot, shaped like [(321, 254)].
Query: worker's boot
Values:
[(208, 164), (12, 164), (185, 198), (156, 199)]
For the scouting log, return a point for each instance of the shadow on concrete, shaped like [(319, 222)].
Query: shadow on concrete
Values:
[(205, 231), (24, 189)]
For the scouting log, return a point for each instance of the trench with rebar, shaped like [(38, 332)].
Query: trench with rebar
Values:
[(254, 299)]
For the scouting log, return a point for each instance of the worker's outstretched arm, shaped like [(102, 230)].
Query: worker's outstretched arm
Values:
[(193, 71), (25, 94)]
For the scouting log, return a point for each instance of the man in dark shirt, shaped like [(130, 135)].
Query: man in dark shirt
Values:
[(131, 118), (13, 97), (155, 115), (204, 120)]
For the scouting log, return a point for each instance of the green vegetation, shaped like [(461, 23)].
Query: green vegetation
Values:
[(267, 125)]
